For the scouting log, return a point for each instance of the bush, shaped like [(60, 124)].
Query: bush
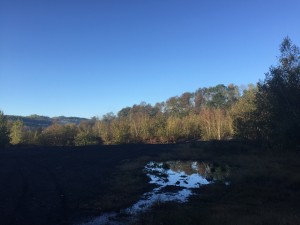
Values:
[(86, 138)]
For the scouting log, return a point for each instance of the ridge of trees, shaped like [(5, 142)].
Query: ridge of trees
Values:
[(268, 112)]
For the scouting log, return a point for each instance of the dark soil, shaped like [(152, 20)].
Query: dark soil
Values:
[(67, 185), (59, 185)]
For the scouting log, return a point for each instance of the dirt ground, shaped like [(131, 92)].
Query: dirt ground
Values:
[(66, 185), (57, 185)]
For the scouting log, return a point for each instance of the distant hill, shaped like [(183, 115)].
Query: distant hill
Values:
[(35, 121)]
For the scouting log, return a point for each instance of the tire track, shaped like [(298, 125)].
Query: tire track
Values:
[(33, 195), (21, 198), (59, 190)]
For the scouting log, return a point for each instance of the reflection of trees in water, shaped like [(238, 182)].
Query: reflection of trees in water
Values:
[(218, 172), (182, 166), (210, 171)]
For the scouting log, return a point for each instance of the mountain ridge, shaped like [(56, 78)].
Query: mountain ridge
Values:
[(35, 121)]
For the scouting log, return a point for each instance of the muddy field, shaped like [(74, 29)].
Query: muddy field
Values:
[(62, 185), (59, 185)]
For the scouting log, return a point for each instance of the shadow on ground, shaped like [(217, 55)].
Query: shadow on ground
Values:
[(66, 185)]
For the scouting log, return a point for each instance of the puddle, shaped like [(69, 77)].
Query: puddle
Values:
[(174, 181)]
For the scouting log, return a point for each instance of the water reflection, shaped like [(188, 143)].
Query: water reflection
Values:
[(174, 181), (209, 171)]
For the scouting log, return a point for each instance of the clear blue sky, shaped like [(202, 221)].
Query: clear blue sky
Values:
[(89, 57)]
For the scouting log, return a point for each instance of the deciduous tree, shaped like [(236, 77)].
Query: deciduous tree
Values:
[(16, 132), (278, 99), (4, 132)]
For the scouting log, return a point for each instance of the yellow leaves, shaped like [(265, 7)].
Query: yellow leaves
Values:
[(216, 123)]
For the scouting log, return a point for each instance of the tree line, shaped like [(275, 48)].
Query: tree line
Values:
[(266, 112), (203, 114)]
